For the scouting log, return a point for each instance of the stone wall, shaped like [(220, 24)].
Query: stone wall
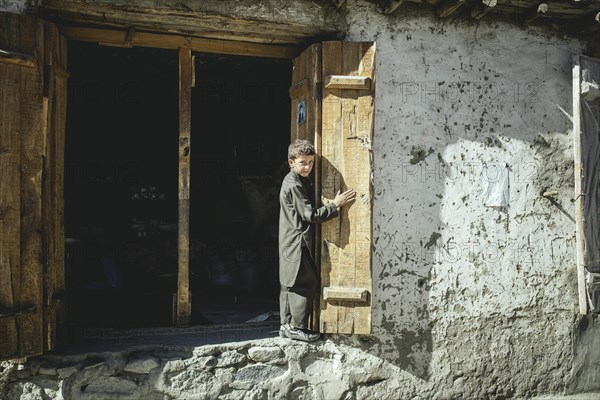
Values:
[(276, 369), (263, 369)]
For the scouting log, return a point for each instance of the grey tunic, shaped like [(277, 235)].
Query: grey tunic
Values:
[(296, 216)]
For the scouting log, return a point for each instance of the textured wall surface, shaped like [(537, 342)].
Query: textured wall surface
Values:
[(470, 302), (18, 6), (480, 300)]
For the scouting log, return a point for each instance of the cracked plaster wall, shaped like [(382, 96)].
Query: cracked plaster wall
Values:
[(465, 293)]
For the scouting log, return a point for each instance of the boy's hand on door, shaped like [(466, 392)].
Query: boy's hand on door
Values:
[(341, 199)]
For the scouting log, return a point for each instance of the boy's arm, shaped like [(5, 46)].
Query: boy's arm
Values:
[(306, 211)]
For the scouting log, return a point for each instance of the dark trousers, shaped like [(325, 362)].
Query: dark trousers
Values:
[(296, 302)]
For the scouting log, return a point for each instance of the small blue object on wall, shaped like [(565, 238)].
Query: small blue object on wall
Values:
[(301, 112)]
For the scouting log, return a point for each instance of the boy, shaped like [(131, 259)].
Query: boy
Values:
[(298, 273)]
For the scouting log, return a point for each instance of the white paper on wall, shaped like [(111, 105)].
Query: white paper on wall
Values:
[(495, 185)]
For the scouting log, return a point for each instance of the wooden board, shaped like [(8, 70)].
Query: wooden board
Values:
[(579, 228), (184, 306), (33, 113), (55, 90), (10, 199), (346, 162), (22, 148)]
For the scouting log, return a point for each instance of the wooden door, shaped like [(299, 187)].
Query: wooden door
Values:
[(337, 82), (32, 111)]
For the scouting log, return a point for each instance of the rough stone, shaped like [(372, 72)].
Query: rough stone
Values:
[(142, 366), (22, 374), (265, 354), (333, 389), (174, 366), (203, 351), (47, 370), (201, 362), (259, 373), (95, 366), (234, 395), (108, 388), (39, 387), (302, 392), (225, 375), (193, 385), (230, 358), (25, 391), (66, 372)]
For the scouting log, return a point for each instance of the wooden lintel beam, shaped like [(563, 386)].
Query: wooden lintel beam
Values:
[(162, 41), (392, 5), (482, 9), (541, 10), (11, 57), (448, 8), (595, 26)]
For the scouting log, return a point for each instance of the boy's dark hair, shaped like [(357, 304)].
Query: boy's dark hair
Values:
[(300, 147)]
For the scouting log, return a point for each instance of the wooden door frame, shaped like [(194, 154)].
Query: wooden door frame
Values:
[(185, 46)]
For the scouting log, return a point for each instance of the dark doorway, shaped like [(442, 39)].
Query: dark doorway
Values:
[(121, 186), (240, 133)]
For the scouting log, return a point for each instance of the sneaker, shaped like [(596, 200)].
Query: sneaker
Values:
[(302, 334), (283, 330)]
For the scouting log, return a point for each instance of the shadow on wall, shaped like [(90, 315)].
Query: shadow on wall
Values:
[(434, 130)]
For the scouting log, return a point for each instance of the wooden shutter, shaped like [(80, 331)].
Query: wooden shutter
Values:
[(336, 80), (30, 199), (347, 162)]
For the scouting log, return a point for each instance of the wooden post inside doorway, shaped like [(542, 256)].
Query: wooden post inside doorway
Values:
[(183, 301)]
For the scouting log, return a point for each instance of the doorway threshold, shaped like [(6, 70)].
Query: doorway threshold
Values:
[(114, 340)]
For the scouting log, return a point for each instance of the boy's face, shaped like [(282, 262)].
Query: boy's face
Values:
[(302, 165)]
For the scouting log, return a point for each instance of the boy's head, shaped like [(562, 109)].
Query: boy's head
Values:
[(301, 157)]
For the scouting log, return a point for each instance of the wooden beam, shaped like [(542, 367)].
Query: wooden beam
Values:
[(11, 57), (145, 39), (348, 82), (482, 9), (448, 8), (541, 10), (392, 5), (184, 306), (579, 232), (359, 295)]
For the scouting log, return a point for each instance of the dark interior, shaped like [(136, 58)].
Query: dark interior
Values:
[(121, 186)]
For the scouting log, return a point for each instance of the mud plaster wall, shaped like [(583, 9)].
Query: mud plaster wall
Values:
[(18, 6), (466, 293)]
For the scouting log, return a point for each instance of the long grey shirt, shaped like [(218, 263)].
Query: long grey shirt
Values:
[(296, 216)]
